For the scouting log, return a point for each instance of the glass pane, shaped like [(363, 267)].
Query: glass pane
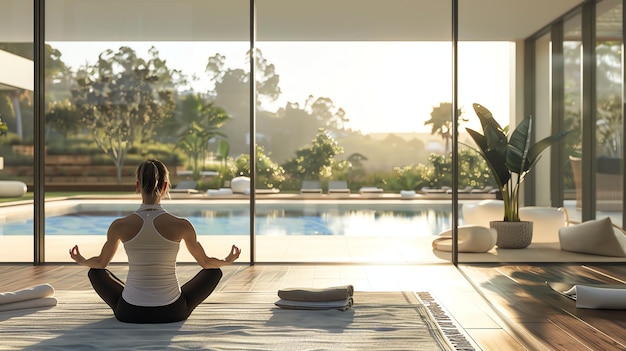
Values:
[(487, 76), (343, 126), (163, 82), (609, 118), (16, 130), (572, 53)]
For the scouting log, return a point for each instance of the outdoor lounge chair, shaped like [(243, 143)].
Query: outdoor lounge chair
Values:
[(370, 191), (185, 187), (338, 188), (465, 190), (429, 190), (311, 187), (220, 192), (485, 190)]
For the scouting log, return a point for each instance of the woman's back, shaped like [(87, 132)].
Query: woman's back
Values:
[(152, 279)]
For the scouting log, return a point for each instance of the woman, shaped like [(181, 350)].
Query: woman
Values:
[(151, 238)]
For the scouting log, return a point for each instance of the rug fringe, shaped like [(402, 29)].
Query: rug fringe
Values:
[(457, 339)]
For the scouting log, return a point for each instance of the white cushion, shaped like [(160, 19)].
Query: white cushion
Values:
[(472, 238), (482, 212), (596, 237), (546, 220), (240, 185), (12, 188), (407, 193)]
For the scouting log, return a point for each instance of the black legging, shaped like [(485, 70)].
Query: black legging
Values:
[(196, 290)]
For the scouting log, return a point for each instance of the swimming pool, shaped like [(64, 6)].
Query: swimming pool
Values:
[(278, 219)]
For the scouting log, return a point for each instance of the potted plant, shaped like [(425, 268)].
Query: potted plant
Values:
[(509, 161)]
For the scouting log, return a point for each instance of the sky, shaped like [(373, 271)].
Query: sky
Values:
[(382, 86)]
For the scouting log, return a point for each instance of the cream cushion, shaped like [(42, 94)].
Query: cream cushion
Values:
[(596, 237), (12, 188), (472, 238)]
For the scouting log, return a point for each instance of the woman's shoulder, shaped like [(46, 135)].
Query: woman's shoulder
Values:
[(168, 218)]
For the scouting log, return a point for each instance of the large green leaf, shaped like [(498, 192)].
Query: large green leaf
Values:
[(496, 138), (518, 146), (536, 149), (495, 160)]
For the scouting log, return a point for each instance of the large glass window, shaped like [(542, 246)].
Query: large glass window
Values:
[(609, 111), (352, 117), (572, 67), (357, 87), (16, 130), (156, 80)]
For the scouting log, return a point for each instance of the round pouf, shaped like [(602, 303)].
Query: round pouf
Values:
[(513, 235), (240, 185), (12, 188)]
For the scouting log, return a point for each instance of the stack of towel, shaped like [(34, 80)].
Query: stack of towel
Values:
[(337, 297), (34, 297)]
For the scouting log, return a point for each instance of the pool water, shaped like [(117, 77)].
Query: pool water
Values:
[(412, 220)]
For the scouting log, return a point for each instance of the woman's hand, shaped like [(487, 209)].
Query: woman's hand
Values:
[(233, 255), (76, 256)]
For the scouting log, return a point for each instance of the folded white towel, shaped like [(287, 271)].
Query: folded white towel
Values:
[(33, 303), (334, 293), (35, 292), (341, 305)]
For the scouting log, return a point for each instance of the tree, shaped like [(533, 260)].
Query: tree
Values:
[(317, 160), (62, 117), (323, 109), (202, 121), (268, 173), (122, 98), (231, 91), (441, 119)]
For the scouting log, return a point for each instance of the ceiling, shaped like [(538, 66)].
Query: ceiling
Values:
[(280, 20)]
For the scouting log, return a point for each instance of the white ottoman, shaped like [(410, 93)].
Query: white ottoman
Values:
[(472, 238), (240, 185), (12, 188), (482, 212), (546, 220)]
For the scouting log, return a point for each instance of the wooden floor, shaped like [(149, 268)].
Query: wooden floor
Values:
[(544, 318), (498, 306)]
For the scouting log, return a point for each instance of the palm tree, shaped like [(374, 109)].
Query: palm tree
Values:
[(202, 121), (441, 119)]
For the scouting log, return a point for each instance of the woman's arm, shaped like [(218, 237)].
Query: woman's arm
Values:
[(106, 254), (197, 251)]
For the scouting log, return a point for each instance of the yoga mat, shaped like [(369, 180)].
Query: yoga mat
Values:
[(234, 321), (606, 297), (34, 303), (35, 292)]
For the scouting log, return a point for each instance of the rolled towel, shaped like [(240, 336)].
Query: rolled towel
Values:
[(605, 297), (33, 303), (35, 292), (335, 293), (600, 298)]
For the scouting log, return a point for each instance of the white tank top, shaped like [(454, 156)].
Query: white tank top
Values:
[(152, 279)]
